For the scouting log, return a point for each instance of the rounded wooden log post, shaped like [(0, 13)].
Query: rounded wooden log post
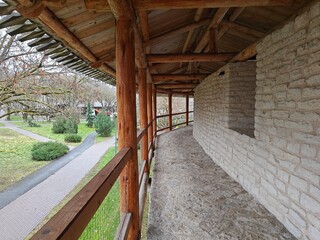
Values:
[(154, 108), (142, 79), (149, 106), (127, 126), (187, 110), (170, 110)]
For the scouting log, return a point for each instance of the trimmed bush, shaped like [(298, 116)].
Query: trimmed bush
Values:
[(71, 126), (46, 151), (103, 124), (31, 123), (58, 125), (74, 138)]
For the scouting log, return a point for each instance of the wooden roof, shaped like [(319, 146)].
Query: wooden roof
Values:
[(182, 41)]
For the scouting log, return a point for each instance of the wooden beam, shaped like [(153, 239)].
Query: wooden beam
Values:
[(235, 14), (177, 86), (199, 57), (142, 79), (103, 6), (216, 20), (149, 107), (170, 110), (108, 58), (187, 110), (213, 47), (196, 18), (247, 53), (177, 77), (177, 31), (127, 126), (154, 113)]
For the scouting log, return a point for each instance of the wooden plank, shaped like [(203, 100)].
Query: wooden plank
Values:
[(177, 77), (72, 219), (144, 162), (177, 31), (123, 229), (193, 57), (102, 6), (213, 41), (127, 126)]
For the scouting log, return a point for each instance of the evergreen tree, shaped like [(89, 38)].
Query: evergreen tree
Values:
[(90, 115)]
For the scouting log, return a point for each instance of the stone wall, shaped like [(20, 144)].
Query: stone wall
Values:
[(280, 166)]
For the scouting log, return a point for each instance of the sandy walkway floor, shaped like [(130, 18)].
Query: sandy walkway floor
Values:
[(193, 198)]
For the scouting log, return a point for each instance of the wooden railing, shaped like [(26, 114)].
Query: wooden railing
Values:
[(72, 219), (171, 126)]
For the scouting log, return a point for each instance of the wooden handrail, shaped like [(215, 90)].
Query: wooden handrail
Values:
[(73, 218), (123, 229), (173, 114), (141, 133), (143, 165)]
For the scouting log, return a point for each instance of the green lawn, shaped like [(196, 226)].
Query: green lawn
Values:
[(106, 220), (1, 124), (45, 131), (15, 157)]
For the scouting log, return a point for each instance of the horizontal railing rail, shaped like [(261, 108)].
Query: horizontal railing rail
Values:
[(72, 219), (173, 114)]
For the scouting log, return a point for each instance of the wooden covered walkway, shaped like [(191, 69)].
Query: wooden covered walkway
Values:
[(193, 198)]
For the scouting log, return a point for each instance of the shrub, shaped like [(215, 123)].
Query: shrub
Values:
[(46, 151), (31, 123), (103, 124), (73, 138), (58, 125), (71, 126)]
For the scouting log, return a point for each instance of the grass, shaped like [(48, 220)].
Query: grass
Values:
[(45, 131), (1, 124), (106, 220), (15, 157)]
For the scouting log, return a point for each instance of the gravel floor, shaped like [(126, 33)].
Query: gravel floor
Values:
[(193, 198)]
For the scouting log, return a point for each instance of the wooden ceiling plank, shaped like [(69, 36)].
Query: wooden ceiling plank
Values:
[(177, 77), (103, 6), (243, 29), (200, 57), (177, 31)]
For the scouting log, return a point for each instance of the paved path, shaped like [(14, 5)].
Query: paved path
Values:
[(13, 127), (30, 181), (193, 198), (21, 216)]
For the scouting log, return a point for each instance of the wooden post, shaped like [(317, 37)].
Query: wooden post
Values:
[(170, 110), (187, 110), (149, 106), (142, 78), (127, 126), (154, 108)]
